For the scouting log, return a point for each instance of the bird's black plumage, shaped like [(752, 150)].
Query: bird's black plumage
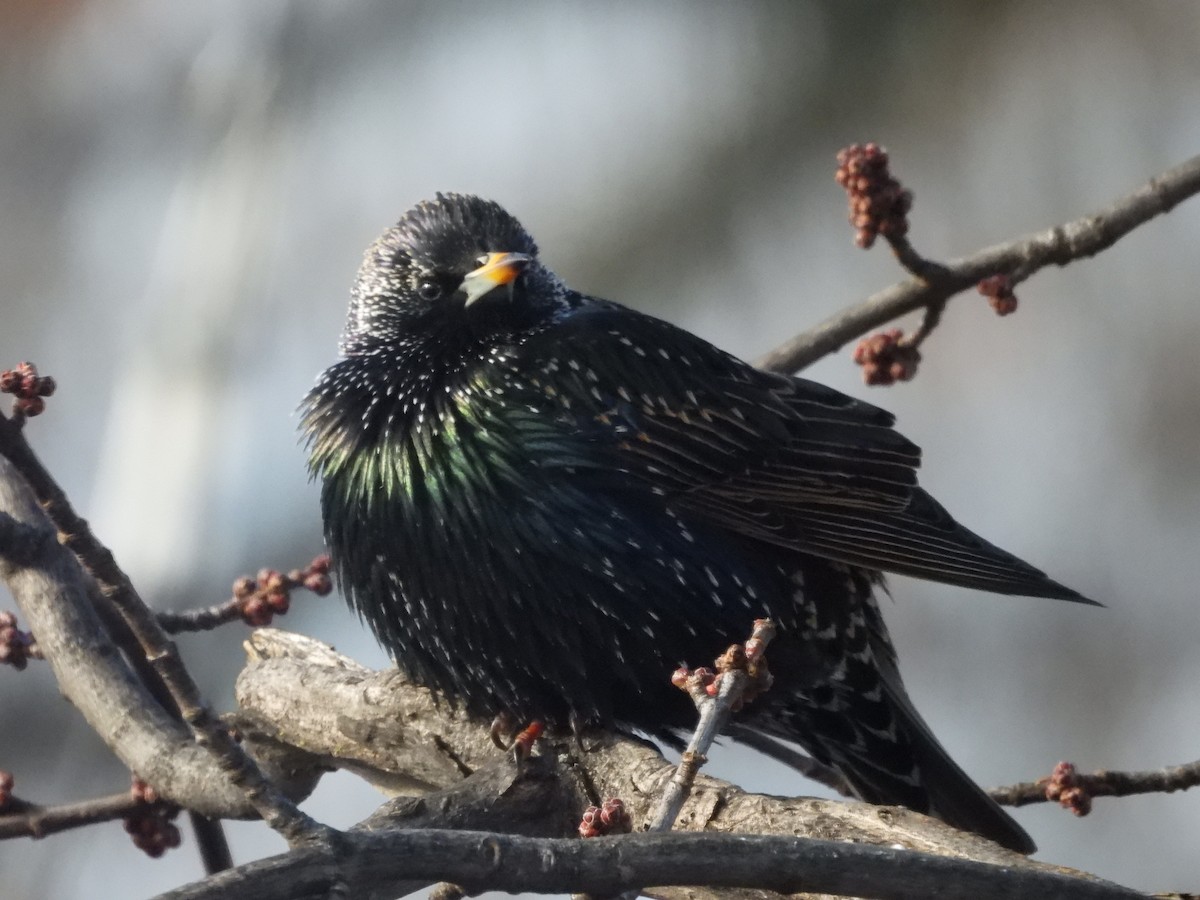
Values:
[(543, 502)]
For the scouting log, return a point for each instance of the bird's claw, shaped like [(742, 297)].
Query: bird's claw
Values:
[(502, 727)]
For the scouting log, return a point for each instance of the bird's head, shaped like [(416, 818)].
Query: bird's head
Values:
[(455, 266)]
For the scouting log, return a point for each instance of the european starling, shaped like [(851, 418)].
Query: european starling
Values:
[(543, 502)]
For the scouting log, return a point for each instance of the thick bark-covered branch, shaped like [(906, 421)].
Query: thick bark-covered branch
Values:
[(1020, 258), (300, 692)]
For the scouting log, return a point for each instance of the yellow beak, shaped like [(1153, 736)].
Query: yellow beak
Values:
[(497, 269)]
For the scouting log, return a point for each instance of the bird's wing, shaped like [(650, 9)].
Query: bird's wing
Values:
[(778, 459)]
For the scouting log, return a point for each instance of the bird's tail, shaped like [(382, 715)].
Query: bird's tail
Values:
[(950, 794), (856, 716), (888, 756)]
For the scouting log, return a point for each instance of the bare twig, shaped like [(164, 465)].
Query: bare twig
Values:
[(1104, 783), (739, 669), (930, 321), (713, 714), (21, 818), (1018, 258), (211, 842), (255, 600)]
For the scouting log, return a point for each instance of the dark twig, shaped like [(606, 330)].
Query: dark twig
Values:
[(1101, 783), (75, 533), (255, 600), (1019, 258), (209, 832), (373, 862), (211, 842)]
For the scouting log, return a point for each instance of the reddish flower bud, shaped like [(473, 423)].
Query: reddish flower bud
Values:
[(319, 583)]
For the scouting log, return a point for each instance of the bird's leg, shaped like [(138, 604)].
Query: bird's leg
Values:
[(522, 745), (578, 727)]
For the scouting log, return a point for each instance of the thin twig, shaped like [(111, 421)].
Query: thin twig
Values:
[(212, 843), (1104, 783), (255, 601), (742, 673), (1020, 258), (21, 818), (204, 618), (930, 321), (713, 715)]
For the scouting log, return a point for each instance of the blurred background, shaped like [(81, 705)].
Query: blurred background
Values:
[(186, 190)]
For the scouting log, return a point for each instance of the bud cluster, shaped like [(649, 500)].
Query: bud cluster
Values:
[(261, 599), (999, 291), (879, 204), (611, 818), (1064, 787), (151, 828), (28, 387), (748, 658), (17, 647), (885, 357)]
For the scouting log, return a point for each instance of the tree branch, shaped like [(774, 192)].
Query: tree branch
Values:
[(1019, 258), (21, 818), (395, 734), (743, 674), (1102, 783), (53, 595), (275, 808), (382, 864)]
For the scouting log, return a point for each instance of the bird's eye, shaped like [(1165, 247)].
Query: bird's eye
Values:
[(429, 289)]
